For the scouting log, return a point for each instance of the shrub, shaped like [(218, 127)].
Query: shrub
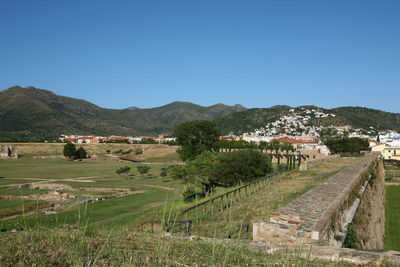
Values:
[(351, 240), (282, 167), (191, 192), (138, 150), (143, 169), (178, 171), (373, 177), (126, 152), (163, 173), (81, 153), (122, 170)]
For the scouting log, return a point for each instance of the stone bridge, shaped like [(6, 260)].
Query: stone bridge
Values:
[(321, 215)]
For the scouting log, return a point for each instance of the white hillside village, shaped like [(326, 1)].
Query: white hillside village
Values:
[(296, 128)]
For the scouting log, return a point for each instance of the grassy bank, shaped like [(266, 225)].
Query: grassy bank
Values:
[(392, 228)]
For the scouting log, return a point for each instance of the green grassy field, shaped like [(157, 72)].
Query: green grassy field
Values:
[(62, 169), (18, 206), (113, 213), (86, 178), (392, 228)]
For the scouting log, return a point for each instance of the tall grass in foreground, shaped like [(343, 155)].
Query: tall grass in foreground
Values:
[(115, 248), (89, 245)]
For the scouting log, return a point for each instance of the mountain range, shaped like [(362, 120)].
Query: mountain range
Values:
[(30, 112)]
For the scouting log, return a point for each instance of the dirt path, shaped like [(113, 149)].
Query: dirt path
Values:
[(47, 180)]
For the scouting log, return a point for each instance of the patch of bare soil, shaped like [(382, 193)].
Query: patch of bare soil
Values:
[(48, 186), (49, 157), (153, 151), (105, 189), (79, 180)]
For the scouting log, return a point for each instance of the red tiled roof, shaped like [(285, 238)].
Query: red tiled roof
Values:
[(117, 138), (295, 141)]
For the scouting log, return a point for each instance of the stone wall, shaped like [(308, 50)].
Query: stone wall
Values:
[(369, 220), (304, 165), (8, 152), (321, 214)]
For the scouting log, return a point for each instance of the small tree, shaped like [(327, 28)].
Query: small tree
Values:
[(138, 150), (178, 171), (122, 170), (275, 145), (287, 147), (81, 153), (69, 150), (143, 169), (163, 173)]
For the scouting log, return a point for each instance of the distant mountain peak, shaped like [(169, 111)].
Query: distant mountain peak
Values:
[(133, 108), (26, 90), (238, 106), (281, 106)]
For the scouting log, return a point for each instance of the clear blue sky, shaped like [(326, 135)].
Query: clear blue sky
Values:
[(257, 53)]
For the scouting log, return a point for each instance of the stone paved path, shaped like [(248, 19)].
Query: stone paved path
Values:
[(299, 218)]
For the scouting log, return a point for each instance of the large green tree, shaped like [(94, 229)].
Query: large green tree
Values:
[(227, 169), (349, 145), (196, 137), (69, 150), (326, 134)]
